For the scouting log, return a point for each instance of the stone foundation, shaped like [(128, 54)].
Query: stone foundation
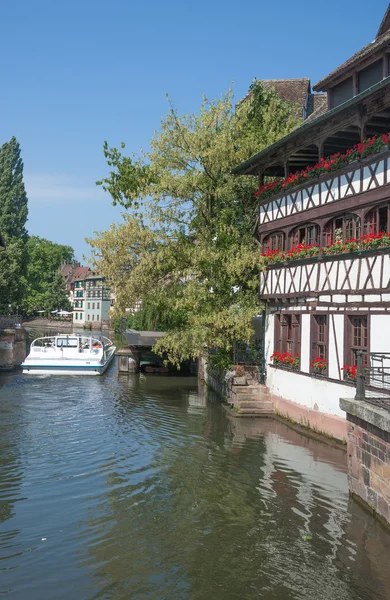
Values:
[(13, 348), (368, 449), (328, 425)]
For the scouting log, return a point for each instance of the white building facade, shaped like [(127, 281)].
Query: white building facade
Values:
[(324, 233)]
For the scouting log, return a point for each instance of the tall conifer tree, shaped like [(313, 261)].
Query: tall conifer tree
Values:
[(13, 217)]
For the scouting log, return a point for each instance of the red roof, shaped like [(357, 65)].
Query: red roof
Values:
[(79, 273)]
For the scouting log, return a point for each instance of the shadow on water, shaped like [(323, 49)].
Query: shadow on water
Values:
[(143, 487)]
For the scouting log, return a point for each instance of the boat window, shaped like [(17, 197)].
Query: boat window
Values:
[(67, 343)]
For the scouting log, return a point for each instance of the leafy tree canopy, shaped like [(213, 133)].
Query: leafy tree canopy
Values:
[(44, 258), (186, 242), (56, 297)]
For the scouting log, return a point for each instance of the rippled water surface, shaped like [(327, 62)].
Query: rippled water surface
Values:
[(140, 488)]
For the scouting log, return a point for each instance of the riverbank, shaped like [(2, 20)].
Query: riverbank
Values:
[(47, 323), (57, 324)]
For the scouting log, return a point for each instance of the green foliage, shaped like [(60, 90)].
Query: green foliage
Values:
[(56, 296), (44, 258), (221, 359), (12, 281), (186, 247), (156, 315), (13, 216), (13, 198)]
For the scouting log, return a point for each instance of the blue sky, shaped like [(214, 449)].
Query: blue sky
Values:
[(78, 72)]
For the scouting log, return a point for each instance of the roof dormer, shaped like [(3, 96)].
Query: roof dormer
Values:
[(364, 69)]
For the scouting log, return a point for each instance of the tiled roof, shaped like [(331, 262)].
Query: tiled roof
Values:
[(66, 270), (385, 25), (290, 90), (80, 273), (380, 42), (309, 124), (317, 105)]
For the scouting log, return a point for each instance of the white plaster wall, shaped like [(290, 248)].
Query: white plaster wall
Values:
[(380, 333), (312, 392), (269, 336), (336, 341), (305, 343)]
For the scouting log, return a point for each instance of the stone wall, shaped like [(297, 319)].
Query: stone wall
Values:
[(13, 348), (368, 447)]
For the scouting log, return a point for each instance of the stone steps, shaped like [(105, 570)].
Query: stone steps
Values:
[(245, 390), (255, 404), (252, 412)]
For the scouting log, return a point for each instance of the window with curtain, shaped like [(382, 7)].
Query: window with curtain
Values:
[(305, 234), (342, 228), (377, 220), (274, 241)]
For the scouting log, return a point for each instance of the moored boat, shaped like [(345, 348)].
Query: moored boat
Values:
[(69, 354)]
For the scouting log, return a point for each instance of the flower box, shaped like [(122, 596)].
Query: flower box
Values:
[(285, 360), (367, 147)]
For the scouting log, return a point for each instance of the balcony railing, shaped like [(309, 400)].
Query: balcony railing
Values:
[(357, 177), (366, 271), (373, 378)]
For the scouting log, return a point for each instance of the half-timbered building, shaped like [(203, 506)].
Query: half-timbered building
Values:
[(324, 229)]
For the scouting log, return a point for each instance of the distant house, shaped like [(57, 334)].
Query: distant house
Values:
[(77, 293), (297, 92), (92, 300)]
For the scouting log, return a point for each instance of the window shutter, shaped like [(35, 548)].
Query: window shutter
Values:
[(296, 324), (278, 334), (347, 340), (313, 338), (285, 326)]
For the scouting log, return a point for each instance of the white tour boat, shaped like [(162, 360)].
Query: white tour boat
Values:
[(72, 354)]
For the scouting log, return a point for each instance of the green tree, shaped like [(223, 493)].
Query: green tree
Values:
[(186, 242), (44, 259), (13, 217), (56, 296)]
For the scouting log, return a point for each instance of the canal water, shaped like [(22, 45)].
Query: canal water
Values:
[(141, 487)]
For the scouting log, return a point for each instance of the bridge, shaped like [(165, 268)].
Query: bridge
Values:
[(138, 342)]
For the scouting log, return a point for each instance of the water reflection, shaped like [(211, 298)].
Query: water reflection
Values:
[(145, 488)]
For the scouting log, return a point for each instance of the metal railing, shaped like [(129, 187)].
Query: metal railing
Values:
[(373, 378), (247, 354)]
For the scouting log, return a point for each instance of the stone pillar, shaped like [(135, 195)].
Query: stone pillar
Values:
[(129, 360), (134, 360), (13, 347), (368, 448)]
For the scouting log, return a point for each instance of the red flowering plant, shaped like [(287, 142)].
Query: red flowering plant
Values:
[(349, 372), (365, 242), (339, 247), (318, 365), (372, 240), (303, 251), (296, 253), (336, 161), (285, 359)]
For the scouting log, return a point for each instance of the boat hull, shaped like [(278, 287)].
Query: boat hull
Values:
[(67, 367)]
